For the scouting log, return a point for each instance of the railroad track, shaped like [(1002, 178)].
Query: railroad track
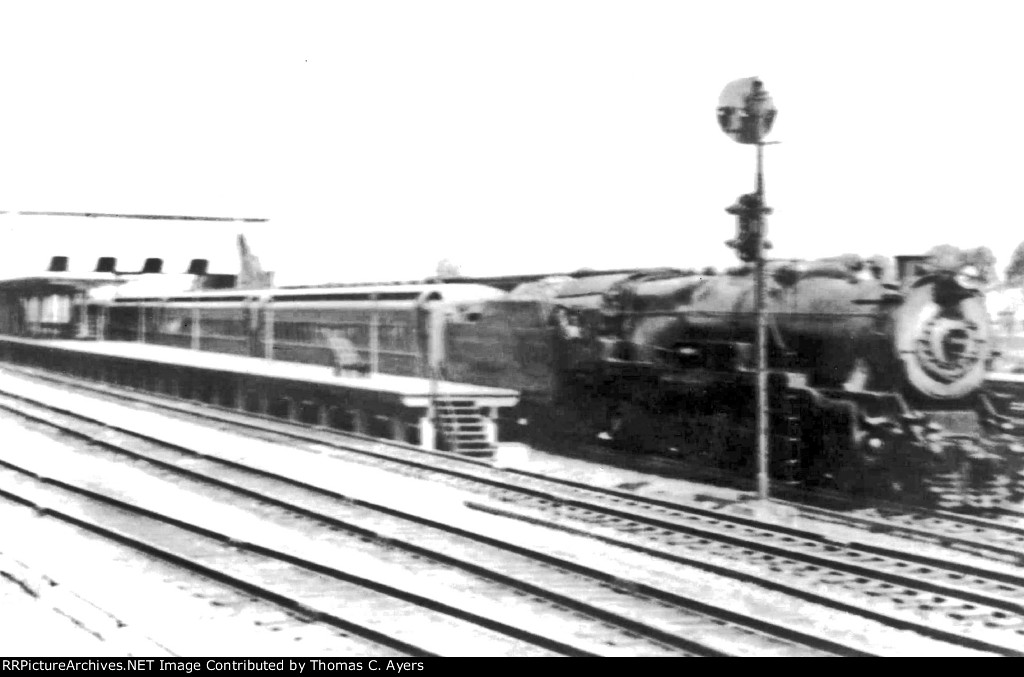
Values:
[(142, 595), (997, 534), (465, 595), (999, 537), (968, 607), (267, 574)]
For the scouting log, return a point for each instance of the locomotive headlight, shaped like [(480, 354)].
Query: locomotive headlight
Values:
[(969, 277)]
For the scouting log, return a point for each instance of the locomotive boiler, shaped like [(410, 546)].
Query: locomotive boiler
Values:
[(836, 323)]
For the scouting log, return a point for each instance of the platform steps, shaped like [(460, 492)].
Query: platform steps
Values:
[(463, 427)]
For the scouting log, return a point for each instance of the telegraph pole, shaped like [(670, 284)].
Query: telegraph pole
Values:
[(746, 114)]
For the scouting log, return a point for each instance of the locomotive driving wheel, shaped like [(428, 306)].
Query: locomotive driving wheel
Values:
[(716, 439), (632, 428), (617, 426)]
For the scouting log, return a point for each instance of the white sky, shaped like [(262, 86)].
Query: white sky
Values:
[(514, 136)]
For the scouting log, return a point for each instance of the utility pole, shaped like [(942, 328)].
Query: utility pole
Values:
[(746, 114)]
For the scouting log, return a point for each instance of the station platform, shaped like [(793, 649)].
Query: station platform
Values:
[(405, 408), (411, 391)]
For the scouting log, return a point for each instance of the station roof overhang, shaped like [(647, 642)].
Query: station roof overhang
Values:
[(56, 283)]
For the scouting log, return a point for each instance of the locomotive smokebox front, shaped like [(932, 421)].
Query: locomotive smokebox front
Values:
[(943, 338)]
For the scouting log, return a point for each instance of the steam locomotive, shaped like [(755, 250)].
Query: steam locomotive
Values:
[(876, 376)]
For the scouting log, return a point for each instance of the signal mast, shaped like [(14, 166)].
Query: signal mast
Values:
[(746, 114)]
